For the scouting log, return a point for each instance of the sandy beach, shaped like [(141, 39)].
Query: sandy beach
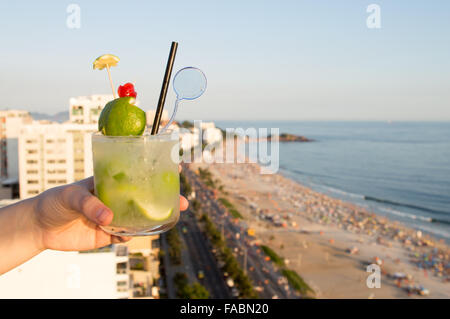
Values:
[(330, 242)]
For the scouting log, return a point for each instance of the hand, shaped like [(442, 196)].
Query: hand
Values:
[(67, 218)]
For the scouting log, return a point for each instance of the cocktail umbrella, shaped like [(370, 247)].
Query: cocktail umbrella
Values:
[(107, 61)]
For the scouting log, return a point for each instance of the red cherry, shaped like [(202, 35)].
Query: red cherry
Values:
[(126, 90)]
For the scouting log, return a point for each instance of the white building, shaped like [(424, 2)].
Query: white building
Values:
[(52, 154), (188, 140), (87, 109), (207, 125), (10, 123), (212, 135), (150, 116), (56, 274)]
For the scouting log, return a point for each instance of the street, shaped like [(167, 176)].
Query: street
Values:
[(263, 273)]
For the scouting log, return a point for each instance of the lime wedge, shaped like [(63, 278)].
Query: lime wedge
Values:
[(103, 194), (105, 60), (150, 213), (166, 183), (121, 177)]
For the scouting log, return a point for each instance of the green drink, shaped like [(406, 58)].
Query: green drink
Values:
[(136, 174), (137, 178)]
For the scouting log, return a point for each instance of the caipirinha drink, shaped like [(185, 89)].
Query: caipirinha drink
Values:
[(135, 173), (136, 177)]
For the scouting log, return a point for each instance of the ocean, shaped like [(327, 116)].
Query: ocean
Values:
[(397, 169)]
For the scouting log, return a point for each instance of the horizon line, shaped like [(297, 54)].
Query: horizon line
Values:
[(272, 120)]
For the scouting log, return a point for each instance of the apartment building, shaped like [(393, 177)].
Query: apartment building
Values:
[(10, 123), (100, 273), (144, 266), (212, 136), (52, 154), (87, 109), (150, 116)]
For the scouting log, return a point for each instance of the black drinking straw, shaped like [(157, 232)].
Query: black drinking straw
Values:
[(165, 86)]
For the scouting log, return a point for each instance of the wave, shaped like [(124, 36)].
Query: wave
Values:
[(359, 198), (390, 202), (297, 171), (389, 210), (440, 221), (443, 233), (403, 214), (415, 217), (340, 191), (327, 188)]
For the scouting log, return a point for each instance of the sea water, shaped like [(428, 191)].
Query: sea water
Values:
[(397, 169)]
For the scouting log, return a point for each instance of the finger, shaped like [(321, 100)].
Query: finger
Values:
[(184, 204), (78, 198), (120, 239), (103, 239), (87, 183)]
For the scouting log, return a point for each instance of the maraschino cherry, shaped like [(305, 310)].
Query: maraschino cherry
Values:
[(127, 90)]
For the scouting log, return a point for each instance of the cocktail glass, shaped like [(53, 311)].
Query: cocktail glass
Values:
[(137, 178)]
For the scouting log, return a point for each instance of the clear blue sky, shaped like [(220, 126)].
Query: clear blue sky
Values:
[(294, 60)]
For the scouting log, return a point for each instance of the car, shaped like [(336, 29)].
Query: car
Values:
[(234, 292), (200, 274)]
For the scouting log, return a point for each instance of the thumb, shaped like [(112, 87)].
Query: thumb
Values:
[(78, 197)]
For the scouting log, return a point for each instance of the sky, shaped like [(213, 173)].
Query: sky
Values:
[(264, 60)]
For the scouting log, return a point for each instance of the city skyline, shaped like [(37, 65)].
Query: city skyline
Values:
[(299, 61)]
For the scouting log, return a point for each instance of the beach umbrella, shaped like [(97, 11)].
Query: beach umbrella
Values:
[(107, 61)]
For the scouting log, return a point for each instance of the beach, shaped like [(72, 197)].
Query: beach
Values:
[(330, 242)]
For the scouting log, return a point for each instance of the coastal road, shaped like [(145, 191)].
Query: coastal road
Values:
[(264, 273), (202, 258), (262, 270), (196, 256), (168, 269)]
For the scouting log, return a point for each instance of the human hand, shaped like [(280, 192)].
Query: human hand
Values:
[(67, 218)]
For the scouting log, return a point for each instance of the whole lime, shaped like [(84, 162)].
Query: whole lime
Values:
[(120, 117)]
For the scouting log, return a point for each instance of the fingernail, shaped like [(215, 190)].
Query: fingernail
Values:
[(102, 215)]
